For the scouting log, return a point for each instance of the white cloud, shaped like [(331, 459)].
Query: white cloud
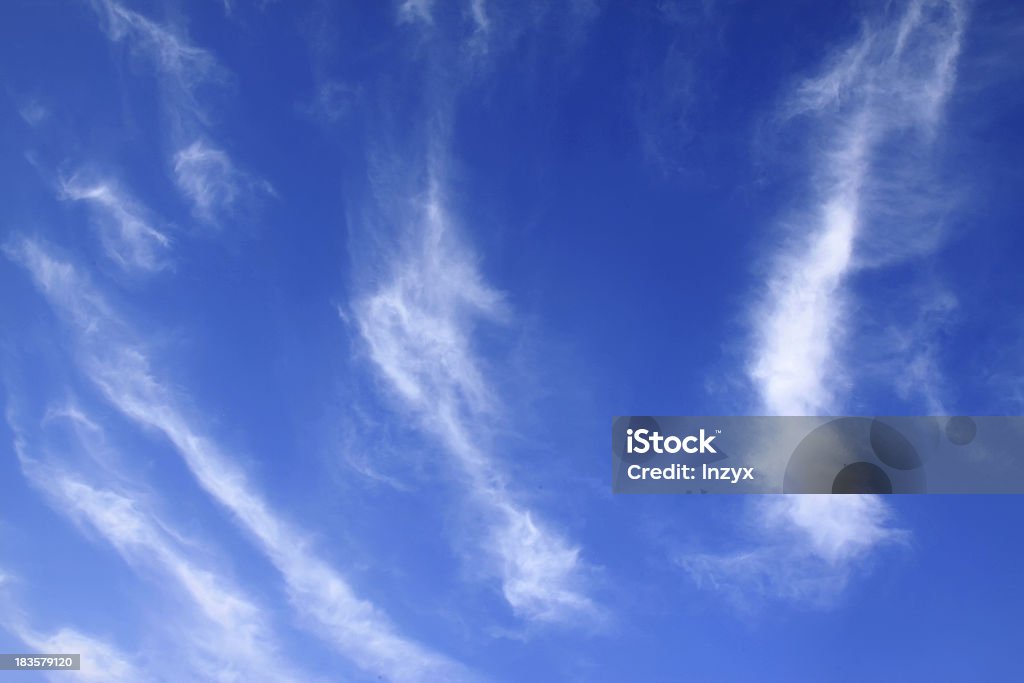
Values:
[(100, 661), (126, 231), (211, 182), (894, 81), (120, 368), (916, 339), (834, 529), (173, 53), (478, 10), (412, 11), (333, 101), (418, 328), (418, 320), (226, 635), (183, 66), (806, 549), (479, 40), (205, 174), (33, 112)]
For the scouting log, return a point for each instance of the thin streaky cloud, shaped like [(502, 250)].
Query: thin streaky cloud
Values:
[(418, 321), (807, 549), (355, 626), (332, 102), (73, 414), (412, 11), (204, 173), (126, 229), (479, 41), (183, 67), (418, 329), (33, 112), (896, 78), (478, 10), (211, 182), (116, 363), (101, 661), (916, 338), (225, 634)]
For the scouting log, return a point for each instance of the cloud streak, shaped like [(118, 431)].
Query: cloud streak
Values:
[(205, 174), (211, 181), (126, 231), (112, 359), (227, 636), (412, 11), (418, 329), (878, 103), (808, 548), (183, 66), (101, 660), (889, 88)]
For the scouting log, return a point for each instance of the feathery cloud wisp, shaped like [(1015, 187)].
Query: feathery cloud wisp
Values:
[(225, 634), (212, 182), (418, 329), (893, 81), (411, 11), (33, 112), (204, 174), (101, 661), (808, 547), (183, 66), (128, 236), (115, 362)]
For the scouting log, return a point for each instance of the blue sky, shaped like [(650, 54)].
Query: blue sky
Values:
[(315, 315)]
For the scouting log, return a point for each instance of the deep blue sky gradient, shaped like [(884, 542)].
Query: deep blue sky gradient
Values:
[(619, 175)]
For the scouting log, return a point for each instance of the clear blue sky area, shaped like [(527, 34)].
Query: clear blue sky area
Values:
[(314, 317)]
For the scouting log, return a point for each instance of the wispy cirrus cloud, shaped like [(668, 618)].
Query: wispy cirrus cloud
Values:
[(481, 18), (418, 318), (418, 327), (806, 550), (212, 183), (101, 660), (183, 67), (416, 10), (126, 228), (332, 102), (470, 37), (224, 633), (917, 339), (204, 173), (33, 112), (869, 115), (115, 361)]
